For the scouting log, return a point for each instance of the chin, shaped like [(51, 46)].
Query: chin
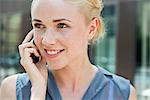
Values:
[(55, 66)]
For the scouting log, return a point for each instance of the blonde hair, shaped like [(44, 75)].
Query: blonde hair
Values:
[(92, 9)]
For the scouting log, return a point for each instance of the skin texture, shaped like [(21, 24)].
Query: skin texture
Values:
[(61, 36), (70, 38), (67, 32)]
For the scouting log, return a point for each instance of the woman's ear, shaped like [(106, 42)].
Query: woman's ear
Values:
[(93, 27)]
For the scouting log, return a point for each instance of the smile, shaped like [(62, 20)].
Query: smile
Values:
[(53, 52)]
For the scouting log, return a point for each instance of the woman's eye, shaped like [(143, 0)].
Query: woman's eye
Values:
[(39, 26), (62, 25)]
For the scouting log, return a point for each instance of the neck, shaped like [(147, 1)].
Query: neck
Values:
[(76, 76)]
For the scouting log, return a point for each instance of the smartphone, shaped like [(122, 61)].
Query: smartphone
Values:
[(34, 58)]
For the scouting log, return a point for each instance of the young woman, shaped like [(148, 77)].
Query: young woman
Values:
[(62, 31)]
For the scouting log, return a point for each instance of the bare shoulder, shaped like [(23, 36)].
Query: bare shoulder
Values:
[(132, 93), (8, 88)]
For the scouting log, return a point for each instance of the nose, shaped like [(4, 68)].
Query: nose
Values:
[(49, 37)]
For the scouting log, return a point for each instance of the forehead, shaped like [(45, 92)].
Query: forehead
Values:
[(43, 9)]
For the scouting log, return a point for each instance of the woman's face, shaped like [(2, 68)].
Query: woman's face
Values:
[(60, 32)]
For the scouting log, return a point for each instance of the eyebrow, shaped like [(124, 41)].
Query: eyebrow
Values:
[(55, 20), (37, 20), (61, 19)]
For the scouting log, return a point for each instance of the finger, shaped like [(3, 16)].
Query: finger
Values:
[(29, 51), (23, 46), (26, 58), (28, 37), (28, 64)]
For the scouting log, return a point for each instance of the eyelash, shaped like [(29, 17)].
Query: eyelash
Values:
[(39, 26), (58, 26), (62, 25)]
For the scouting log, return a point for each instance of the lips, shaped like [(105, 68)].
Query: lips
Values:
[(53, 52)]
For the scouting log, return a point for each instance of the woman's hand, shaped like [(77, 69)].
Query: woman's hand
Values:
[(37, 72)]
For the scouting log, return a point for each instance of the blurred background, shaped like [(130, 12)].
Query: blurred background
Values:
[(125, 50)]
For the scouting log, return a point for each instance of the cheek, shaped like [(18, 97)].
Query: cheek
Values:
[(38, 40), (80, 33), (77, 42), (80, 39)]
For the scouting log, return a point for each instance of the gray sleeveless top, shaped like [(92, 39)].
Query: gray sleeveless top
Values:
[(104, 86)]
